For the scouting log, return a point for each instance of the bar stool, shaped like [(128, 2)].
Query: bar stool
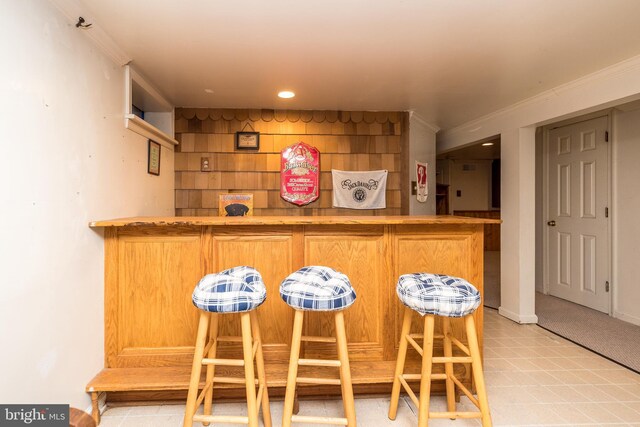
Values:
[(439, 295), (317, 288), (237, 290)]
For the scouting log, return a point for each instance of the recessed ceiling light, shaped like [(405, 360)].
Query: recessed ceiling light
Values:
[(286, 94), (208, 90), (487, 144)]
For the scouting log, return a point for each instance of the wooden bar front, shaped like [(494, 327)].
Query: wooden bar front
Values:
[(153, 264)]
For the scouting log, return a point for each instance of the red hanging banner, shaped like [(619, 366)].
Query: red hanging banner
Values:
[(299, 173)]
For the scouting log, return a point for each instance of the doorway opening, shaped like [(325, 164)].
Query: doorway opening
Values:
[(468, 184)]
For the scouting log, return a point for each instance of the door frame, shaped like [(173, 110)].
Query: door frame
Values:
[(545, 196)]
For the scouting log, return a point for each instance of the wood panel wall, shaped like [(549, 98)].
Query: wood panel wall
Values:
[(347, 140), (491, 231)]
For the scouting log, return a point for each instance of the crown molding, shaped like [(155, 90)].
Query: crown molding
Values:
[(72, 9), (628, 67), (414, 116)]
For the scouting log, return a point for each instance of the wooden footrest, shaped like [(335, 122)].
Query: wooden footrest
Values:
[(319, 362), (320, 381), (455, 415), (232, 419), (223, 362), (176, 378), (319, 420)]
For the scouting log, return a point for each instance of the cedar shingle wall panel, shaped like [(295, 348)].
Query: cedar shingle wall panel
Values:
[(347, 140)]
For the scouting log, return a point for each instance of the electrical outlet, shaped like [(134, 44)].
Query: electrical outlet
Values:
[(205, 164)]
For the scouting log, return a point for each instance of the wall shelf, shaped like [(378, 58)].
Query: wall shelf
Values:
[(146, 129), (157, 121)]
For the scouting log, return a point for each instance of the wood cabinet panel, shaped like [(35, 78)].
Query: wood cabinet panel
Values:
[(449, 251), (270, 253), (151, 269), (361, 258), (156, 276)]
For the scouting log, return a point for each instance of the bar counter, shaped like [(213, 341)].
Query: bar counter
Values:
[(153, 263)]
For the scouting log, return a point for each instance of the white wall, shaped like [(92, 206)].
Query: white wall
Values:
[(422, 147), (626, 205), (474, 185), (608, 87), (540, 215), (67, 159), (517, 234)]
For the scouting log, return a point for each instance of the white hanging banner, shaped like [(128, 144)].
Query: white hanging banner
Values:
[(359, 190), (421, 181)]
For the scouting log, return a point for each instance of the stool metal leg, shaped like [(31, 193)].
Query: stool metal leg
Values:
[(293, 369), (213, 337), (262, 378), (425, 381), (345, 372), (196, 368), (476, 364), (249, 375), (402, 354), (448, 366)]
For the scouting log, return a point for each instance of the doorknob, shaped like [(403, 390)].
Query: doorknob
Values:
[(551, 223)]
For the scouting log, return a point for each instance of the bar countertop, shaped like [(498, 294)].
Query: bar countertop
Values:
[(289, 220)]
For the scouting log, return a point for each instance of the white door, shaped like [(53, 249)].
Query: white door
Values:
[(577, 217)]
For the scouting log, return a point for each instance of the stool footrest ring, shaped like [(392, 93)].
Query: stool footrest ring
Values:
[(455, 415), (414, 344), (466, 392), (461, 346), (418, 377), (319, 420), (224, 362), (206, 387), (232, 419), (319, 362), (410, 392)]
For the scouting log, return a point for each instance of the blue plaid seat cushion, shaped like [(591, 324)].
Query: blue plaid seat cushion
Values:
[(438, 294), (317, 288), (230, 291)]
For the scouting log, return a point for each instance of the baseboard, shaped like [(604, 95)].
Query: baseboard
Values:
[(627, 318), (532, 318)]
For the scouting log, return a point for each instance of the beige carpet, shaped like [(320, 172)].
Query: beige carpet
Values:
[(612, 338)]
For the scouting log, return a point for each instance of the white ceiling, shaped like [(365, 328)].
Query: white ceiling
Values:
[(449, 60), (475, 151)]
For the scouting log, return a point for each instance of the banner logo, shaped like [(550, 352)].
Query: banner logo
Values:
[(359, 195), (359, 189)]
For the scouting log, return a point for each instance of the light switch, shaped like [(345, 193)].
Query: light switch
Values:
[(458, 193)]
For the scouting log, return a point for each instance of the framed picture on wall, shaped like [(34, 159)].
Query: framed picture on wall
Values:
[(153, 161), (247, 140)]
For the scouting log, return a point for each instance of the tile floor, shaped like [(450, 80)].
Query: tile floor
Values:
[(534, 378)]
